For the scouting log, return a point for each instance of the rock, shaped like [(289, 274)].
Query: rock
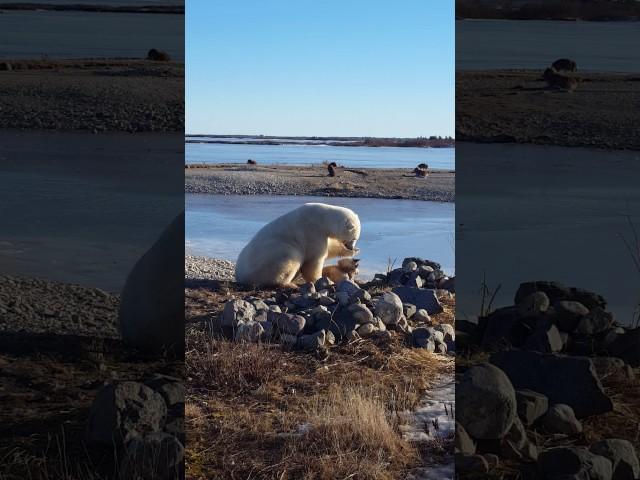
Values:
[(287, 323), (348, 286), (352, 335), (342, 298), (261, 316), (531, 406), (545, 338), (562, 462), (389, 308), (379, 324), (323, 283), (304, 301), (448, 332), (448, 284), (124, 411), (342, 323), (596, 321), (421, 316), (534, 303), (403, 325), (554, 291), (307, 288), (415, 281), (502, 327), (171, 388), (158, 455), (312, 342), (560, 418), (622, 455), (361, 313), (397, 277), (569, 314), (549, 374), (516, 445), (275, 308), (609, 337), (409, 310), (421, 298), (410, 267), (486, 402), (627, 347), (366, 330), (236, 312), (327, 301), (259, 304), (384, 336), (463, 442), (151, 312), (471, 464), (288, 340), (441, 348), (249, 332), (423, 338)]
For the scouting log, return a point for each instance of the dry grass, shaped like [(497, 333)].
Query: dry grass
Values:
[(260, 412)]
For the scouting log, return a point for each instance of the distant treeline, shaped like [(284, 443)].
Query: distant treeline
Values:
[(590, 10), (433, 141), (174, 9)]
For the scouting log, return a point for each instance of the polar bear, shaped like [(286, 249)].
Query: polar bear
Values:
[(298, 242)]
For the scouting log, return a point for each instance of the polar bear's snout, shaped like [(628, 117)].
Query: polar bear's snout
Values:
[(350, 244)]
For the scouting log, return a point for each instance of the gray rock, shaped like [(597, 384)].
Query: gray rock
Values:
[(327, 301), (403, 325), (151, 311), (534, 303), (447, 330), (287, 323), (348, 286), (463, 442), (555, 291), (569, 313), (564, 461), (441, 348), (549, 374), (259, 304), (421, 316), (124, 411), (531, 406), (415, 281), (158, 455), (397, 277), (596, 321), (249, 332), (627, 347), (237, 311), (307, 288), (409, 310), (304, 301), (622, 455), (261, 316), (503, 327), (343, 298), (410, 267), (516, 445), (171, 388), (421, 298), (361, 313), (384, 336), (609, 337), (560, 418), (275, 308), (366, 330), (422, 337), (323, 283), (486, 402), (288, 340), (545, 338), (389, 308), (448, 284), (312, 342)]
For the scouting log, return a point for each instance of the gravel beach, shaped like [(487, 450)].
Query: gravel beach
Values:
[(398, 183), (204, 268), (92, 95)]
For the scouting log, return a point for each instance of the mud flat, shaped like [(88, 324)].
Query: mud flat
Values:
[(517, 106), (398, 183), (92, 95)]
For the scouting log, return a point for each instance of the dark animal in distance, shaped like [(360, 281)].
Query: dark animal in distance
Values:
[(557, 80), (251, 162), (158, 56), (332, 169), (421, 170), (424, 165), (564, 65)]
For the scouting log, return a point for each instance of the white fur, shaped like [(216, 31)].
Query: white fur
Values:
[(297, 242)]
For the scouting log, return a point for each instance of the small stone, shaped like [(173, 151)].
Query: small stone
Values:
[(307, 288), (449, 333), (237, 311), (409, 310), (421, 316), (622, 455), (534, 303), (389, 308), (249, 332), (323, 283), (312, 342), (560, 418), (361, 313), (569, 314), (287, 323), (366, 330), (531, 406), (410, 267)]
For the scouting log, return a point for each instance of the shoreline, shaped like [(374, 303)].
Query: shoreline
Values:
[(383, 183), (516, 106), (30, 7)]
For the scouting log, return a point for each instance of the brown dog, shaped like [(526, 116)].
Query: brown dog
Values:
[(346, 269)]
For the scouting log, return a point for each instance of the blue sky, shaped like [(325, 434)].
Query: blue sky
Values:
[(345, 68)]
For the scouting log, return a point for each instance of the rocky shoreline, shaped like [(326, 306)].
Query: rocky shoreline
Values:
[(438, 186), (117, 95), (517, 106)]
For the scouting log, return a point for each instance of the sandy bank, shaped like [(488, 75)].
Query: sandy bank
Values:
[(313, 180)]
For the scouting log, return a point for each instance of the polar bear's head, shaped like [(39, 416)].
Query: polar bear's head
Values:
[(341, 223)]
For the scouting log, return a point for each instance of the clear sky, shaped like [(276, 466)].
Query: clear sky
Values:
[(320, 67)]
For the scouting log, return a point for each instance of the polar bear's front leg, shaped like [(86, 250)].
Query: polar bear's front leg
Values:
[(312, 270), (338, 249)]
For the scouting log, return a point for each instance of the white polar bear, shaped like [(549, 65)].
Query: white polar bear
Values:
[(298, 242)]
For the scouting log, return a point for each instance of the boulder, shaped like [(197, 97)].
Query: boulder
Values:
[(236, 312), (627, 347), (323, 283), (448, 284), (123, 411), (545, 338), (409, 310), (534, 303), (448, 332), (287, 323), (423, 338), (553, 290), (171, 388), (151, 311), (158, 455), (563, 462), (486, 402), (502, 327), (307, 288), (249, 332), (347, 286), (410, 266), (421, 316), (596, 321), (421, 298), (569, 313), (560, 418), (415, 280), (622, 455), (366, 330), (389, 308), (531, 406), (361, 313), (312, 342), (562, 379)]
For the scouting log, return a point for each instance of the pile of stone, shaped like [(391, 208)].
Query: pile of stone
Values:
[(322, 314), (549, 353), (144, 424)]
